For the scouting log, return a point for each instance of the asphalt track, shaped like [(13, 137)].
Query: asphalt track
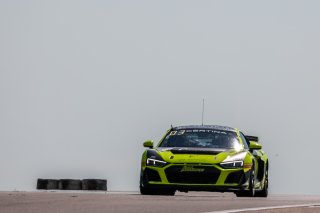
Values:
[(192, 202)]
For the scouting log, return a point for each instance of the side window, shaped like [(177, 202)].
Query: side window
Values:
[(244, 140)]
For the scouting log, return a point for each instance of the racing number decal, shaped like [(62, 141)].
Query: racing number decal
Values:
[(173, 132), (180, 132)]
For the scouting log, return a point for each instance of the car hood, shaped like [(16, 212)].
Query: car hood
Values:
[(195, 155)]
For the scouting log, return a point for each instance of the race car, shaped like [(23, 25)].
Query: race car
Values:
[(204, 158)]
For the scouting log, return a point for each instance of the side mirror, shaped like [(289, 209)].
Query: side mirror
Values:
[(148, 144), (254, 145)]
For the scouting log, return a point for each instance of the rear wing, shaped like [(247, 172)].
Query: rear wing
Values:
[(252, 138)]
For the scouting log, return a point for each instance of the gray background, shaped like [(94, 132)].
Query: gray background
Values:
[(84, 83)]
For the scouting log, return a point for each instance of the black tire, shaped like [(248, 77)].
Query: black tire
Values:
[(52, 184), (42, 183), (251, 191), (70, 184), (145, 190), (264, 192), (94, 184)]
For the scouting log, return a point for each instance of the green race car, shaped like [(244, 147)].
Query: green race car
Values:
[(205, 158)]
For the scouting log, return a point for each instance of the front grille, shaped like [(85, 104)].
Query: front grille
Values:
[(152, 175), (192, 174), (235, 177)]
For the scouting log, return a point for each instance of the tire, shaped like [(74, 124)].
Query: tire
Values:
[(70, 184), (52, 184), (264, 192), (251, 192), (42, 183), (145, 190), (94, 184)]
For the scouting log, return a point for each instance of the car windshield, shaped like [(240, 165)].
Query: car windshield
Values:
[(201, 138)]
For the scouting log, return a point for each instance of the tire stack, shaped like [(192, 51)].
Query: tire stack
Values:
[(94, 184), (72, 184)]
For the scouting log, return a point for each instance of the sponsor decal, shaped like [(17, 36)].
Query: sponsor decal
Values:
[(181, 132), (207, 131), (191, 169)]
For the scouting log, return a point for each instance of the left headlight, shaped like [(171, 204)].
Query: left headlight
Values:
[(232, 164), (154, 162), (154, 159)]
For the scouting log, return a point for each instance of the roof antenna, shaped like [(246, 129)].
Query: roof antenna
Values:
[(202, 110)]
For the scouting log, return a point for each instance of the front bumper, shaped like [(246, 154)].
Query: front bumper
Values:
[(195, 177)]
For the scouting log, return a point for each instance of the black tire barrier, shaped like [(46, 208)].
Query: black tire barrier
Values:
[(52, 184), (70, 184), (94, 184), (42, 183)]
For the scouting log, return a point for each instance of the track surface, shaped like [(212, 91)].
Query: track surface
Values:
[(192, 202)]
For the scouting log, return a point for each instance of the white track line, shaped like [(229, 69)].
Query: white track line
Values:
[(265, 208)]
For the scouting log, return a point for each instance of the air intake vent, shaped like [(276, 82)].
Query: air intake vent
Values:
[(197, 151), (194, 174)]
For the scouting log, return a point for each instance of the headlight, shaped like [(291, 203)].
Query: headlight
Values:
[(154, 159), (232, 164), (154, 162)]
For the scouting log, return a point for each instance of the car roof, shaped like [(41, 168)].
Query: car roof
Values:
[(214, 127)]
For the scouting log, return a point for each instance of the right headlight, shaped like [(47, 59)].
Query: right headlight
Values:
[(232, 164)]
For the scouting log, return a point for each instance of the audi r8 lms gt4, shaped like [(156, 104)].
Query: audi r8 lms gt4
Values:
[(204, 158)]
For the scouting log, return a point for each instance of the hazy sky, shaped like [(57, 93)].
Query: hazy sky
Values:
[(84, 83)]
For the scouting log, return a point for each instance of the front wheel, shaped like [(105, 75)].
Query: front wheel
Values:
[(264, 191), (251, 191), (146, 190)]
